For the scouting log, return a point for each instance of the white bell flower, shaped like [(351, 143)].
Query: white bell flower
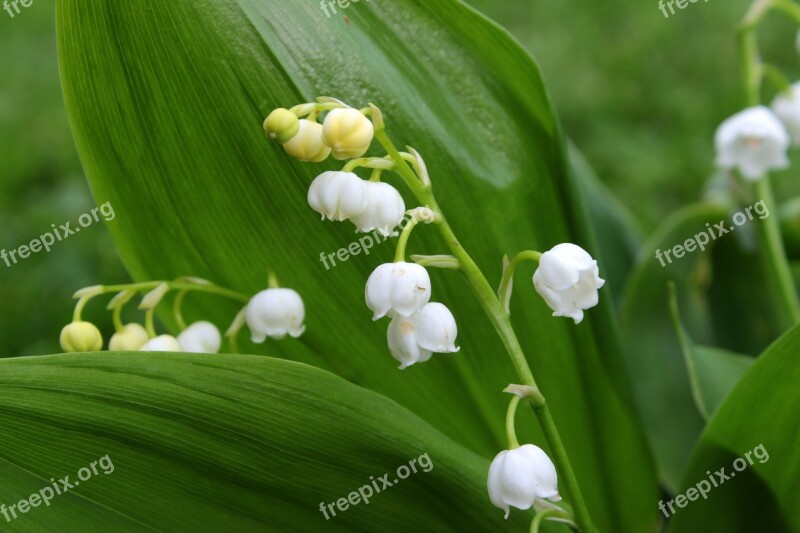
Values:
[(348, 133), (338, 195), (131, 339), (754, 141), (162, 343), (275, 313), (568, 280), (787, 107), (306, 144), (200, 337), (414, 339), (385, 209), (520, 477), (397, 289)]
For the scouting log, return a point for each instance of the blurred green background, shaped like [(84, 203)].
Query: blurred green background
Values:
[(640, 95)]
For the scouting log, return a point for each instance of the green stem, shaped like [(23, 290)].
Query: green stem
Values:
[(116, 317), (176, 310), (76, 315), (511, 432), (500, 320), (149, 325), (508, 273), (400, 254), (544, 514)]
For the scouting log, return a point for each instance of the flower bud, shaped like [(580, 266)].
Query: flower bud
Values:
[(281, 125), (131, 339), (414, 339), (348, 132), (162, 343), (385, 209), (274, 313), (200, 337), (338, 195), (787, 108), (397, 289), (568, 280), (81, 337), (754, 141), (307, 145), (520, 477)]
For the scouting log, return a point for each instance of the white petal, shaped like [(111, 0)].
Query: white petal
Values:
[(200, 337), (402, 340), (436, 328)]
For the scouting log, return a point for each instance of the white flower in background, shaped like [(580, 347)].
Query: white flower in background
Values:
[(520, 477), (787, 107), (397, 289), (281, 125), (348, 132), (81, 337), (162, 343), (754, 141), (306, 144), (414, 339), (132, 337), (338, 195), (275, 313), (200, 337), (385, 209), (568, 279)]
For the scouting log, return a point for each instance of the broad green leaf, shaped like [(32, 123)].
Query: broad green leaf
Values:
[(166, 100), (757, 424), (713, 372), (223, 442)]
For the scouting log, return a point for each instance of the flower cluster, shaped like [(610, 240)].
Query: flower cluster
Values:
[(274, 312)]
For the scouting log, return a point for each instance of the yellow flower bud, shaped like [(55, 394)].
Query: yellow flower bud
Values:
[(282, 125), (307, 144), (348, 132), (81, 337), (132, 337)]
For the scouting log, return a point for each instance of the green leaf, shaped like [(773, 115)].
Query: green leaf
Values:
[(713, 372), (166, 100), (224, 442), (760, 412)]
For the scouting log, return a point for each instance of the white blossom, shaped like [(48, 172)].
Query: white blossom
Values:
[(132, 337), (520, 477), (753, 141), (786, 106), (416, 338), (397, 289), (306, 144), (162, 343), (275, 313), (568, 280), (347, 132), (384, 211), (338, 195), (200, 337)]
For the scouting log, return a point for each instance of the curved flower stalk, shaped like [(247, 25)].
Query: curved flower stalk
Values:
[(568, 278), (269, 316)]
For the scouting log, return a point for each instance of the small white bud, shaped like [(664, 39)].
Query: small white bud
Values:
[(754, 141), (200, 337), (338, 195), (81, 337), (787, 107), (162, 343), (274, 313), (348, 132), (385, 209), (132, 337), (568, 280), (307, 145), (397, 289), (520, 477)]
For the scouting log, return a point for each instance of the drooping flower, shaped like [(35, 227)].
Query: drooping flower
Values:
[(786, 106), (132, 337), (568, 280), (81, 337), (200, 337), (162, 343), (520, 477), (753, 141), (306, 144), (385, 209), (416, 338), (397, 289), (338, 195), (348, 133), (275, 313), (281, 125)]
